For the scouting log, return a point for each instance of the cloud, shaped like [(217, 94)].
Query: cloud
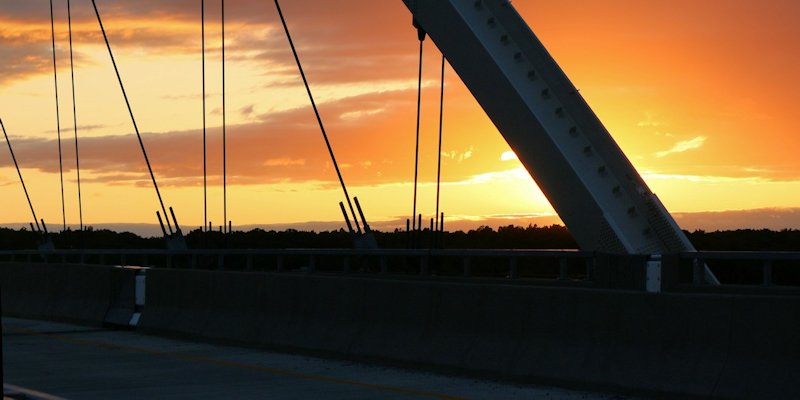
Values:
[(275, 148), (704, 178), (354, 115), (459, 156), (761, 218), (368, 45), (81, 128), (650, 121), (508, 156), (683, 146), (248, 110), (284, 162)]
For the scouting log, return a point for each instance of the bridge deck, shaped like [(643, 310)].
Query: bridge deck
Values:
[(81, 362)]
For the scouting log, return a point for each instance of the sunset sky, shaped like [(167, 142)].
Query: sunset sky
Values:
[(701, 95)]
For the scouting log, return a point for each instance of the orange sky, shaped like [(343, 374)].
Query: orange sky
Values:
[(700, 95)]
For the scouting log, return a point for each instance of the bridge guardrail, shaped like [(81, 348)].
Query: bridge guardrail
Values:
[(555, 265), (571, 267), (736, 268)]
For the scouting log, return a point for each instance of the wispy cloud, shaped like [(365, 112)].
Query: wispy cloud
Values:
[(354, 115), (650, 120), (508, 156), (683, 146), (704, 178), (459, 156)]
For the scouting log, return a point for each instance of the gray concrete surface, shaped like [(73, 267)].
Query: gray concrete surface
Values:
[(79, 362)]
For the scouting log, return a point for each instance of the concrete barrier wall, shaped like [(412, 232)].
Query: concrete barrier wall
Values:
[(685, 345), (681, 345), (70, 292)]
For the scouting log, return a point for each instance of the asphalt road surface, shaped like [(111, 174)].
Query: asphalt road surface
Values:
[(59, 360)]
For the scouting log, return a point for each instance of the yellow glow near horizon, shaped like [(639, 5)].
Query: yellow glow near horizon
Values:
[(705, 111)]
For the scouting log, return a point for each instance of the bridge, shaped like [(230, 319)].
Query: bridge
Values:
[(635, 310)]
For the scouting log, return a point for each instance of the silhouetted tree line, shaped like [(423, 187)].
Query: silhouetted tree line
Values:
[(506, 237), (747, 240)]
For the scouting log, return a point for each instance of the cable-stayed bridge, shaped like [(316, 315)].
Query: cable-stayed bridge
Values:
[(636, 308)]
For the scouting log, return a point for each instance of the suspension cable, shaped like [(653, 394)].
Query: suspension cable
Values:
[(130, 111), (24, 188), (205, 163), (439, 153), (75, 116), (224, 140), (58, 117), (421, 36), (316, 113)]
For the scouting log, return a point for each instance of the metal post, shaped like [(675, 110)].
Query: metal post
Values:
[(431, 235), (440, 233), (408, 233), (161, 222), (312, 263), (767, 271), (384, 264), (513, 268), (175, 220), (418, 237), (2, 372), (697, 272), (653, 274), (279, 263), (563, 272), (361, 213), (346, 218)]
